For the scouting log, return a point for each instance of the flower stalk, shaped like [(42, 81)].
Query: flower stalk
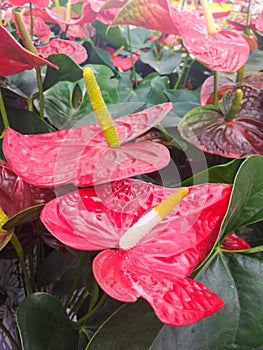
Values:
[(3, 111)]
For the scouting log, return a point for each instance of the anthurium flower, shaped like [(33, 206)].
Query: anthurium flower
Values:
[(15, 58), (232, 128), (71, 48), (39, 3), (41, 29), (224, 83), (234, 242), (224, 51), (143, 255), (81, 155)]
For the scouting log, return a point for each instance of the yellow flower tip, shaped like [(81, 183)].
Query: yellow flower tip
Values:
[(3, 218), (166, 206)]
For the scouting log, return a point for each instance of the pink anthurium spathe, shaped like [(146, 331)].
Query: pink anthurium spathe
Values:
[(74, 50), (39, 3), (81, 155), (259, 22), (157, 266), (224, 51), (15, 58)]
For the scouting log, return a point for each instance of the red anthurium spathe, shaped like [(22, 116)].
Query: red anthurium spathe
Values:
[(155, 267), (39, 3), (71, 48), (15, 58), (81, 156), (234, 242), (122, 62)]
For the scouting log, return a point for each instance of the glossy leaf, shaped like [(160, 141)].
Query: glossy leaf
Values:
[(81, 155), (132, 326), (105, 213), (44, 324), (206, 127), (70, 48), (245, 205), (167, 64), (238, 280), (68, 71), (15, 58)]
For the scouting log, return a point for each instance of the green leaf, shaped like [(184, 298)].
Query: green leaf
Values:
[(245, 207), (97, 55), (139, 37), (254, 62), (112, 35), (237, 279), (183, 96), (224, 173), (134, 327), (23, 84), (68, 71), (44, 325), (23, 217), (166, 65)]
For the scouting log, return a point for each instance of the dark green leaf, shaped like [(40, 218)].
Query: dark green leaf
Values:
[(237, 279), (97, 55), (68, 71), (23, 84), (113, 35), (254, 62), (44, 325), (224, 173), (183, 96), (167, 64), (23, 217), (133, 327), (245, 205)]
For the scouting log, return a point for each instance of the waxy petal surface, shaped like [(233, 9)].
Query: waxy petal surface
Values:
[(206, 127), (17, 195), (176, 302), (40, 3), (74, 50), (15, 58), (92, 219), (81, 155), (224, 51), (234, 242)]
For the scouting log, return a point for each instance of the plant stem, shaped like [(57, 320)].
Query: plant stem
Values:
[(30, 104), (40, 92), (235, 107), (31, 21), (248, 18), (76, 279), (134, 78), (101, 302), (182, 72), (74, 309), (9, 336), (187, 73), (3, 111), (19, 250), (215, 88)]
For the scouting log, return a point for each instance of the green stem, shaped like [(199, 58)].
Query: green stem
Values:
[(187, 73), (19, 250), (134, 78), (240, 74), (9, 336), (215, 88), (76, 279), (248, 18), (3, 111), (182, 72), (31, 21), (182, 6), (30, 104), (40, 92), (99, 305), (74, 309), (95, 295)]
